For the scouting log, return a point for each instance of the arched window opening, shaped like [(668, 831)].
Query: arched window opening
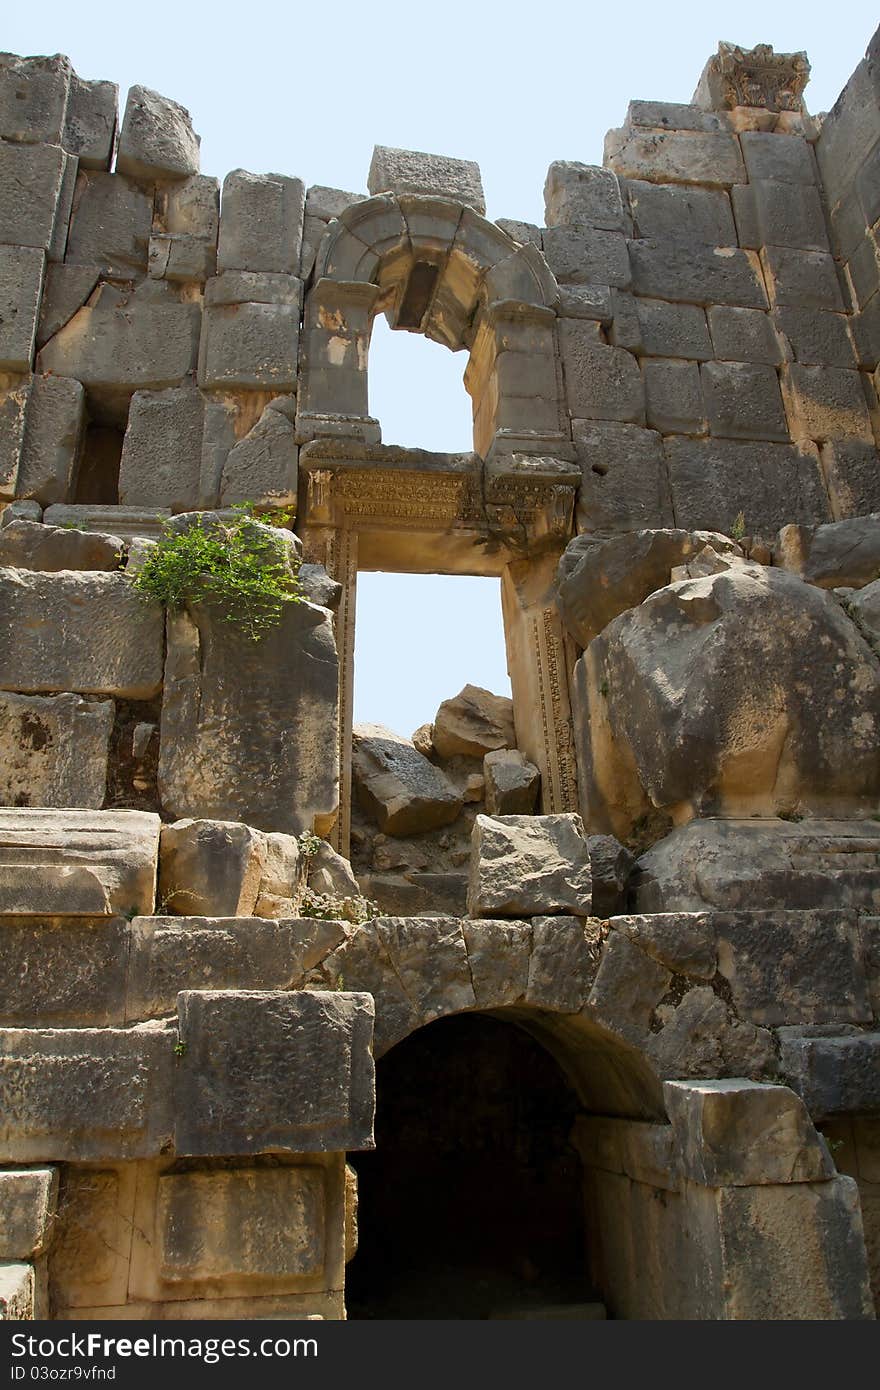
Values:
[(416, 391)]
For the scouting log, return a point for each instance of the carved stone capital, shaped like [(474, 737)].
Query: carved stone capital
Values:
[(756, 76)]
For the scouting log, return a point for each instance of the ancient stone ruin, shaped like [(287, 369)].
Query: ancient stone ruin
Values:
[(601, 962)]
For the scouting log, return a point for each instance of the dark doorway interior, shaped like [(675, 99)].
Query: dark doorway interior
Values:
[(472, 1204)]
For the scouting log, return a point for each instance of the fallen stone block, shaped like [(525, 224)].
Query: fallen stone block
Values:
[(87, 632), (210, 868), (77, 863), (525, 866), (271, 1072), (740, 1133), (411, 171), (473, 723), (841, 554), (53, 749), (401, 790), (611, 864), (28, 1200), (157, 140), (512, 783)]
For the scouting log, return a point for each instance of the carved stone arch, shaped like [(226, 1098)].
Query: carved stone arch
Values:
[(433, 265)]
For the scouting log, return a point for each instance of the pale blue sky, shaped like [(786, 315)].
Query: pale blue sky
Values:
[(307, 90)]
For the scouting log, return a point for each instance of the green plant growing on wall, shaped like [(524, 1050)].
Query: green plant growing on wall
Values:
[(738, 529), (240, 565)]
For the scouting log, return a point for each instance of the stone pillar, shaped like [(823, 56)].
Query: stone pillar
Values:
[(336, 342), (540, 658)]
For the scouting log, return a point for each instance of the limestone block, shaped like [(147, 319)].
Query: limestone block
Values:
[(253, 287), (682, 941), (499, 954), (120, 343), (185, 259), (262, 467), (81, 981), (672, 115), (210, 868), (162, 449), (21, 283), (692, 699), (17, 1293), (673, 398), (713, 481), (28, 1199), (129, 523), (261, 219), (680, 213), (77, 863), (841, 554), (586, 255), (32, 181), (697, 274), (191, 208), (601, 383), (678, 157), (745, 211), (157, 140), (33, 98), (743, 401), (795, 1251), (13, 409), (65, 289), (740, 1133), (361, 962), (111, 223), (248, 728), (761, 864), (53, 749), (816, 337), (512, 783), (864, 608), (585, 302), (250, 345), (562, 963), (624, 484), (700, 1038), (329, 872), (91, 1252), (835, 1075), (82, 1094), (600, 578), (473, 723), (673, 330), (628, 985), (242, 953), (429, 958), (582, 195), (782, 159), (523, 866), (90, 122), (863, 271), (86, 632), (256, 1223), (400, 788), (53, 431), (828, 985), (412, 171), (610, 865), (275, 1072), (826, 403), (743, 335), (802, 279), (790, 214)]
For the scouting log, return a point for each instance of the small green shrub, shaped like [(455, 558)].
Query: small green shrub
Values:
[(309, 844), (333, 909), (239, 565), (738, 529)]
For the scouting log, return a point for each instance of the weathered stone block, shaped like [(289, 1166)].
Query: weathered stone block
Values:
[(562, 963), (412, 171), (13, 408), (33, 98), (683, 942), (185, 259), (210, 868), (673, 397), (473, 723), (586, 255), (250, 345), (678, 157), (261, 219), (512, 783), (790, 214), (90, 122), (696, 273), (262, 467), (400, 788), (701, 1039), (713, 481), (780, 158), (627, 987), (835, 1075), (275, 1072), (77, 863), (255, 1223), (743, 401), (802, 279), (583, 195), (111, 223), (624, 484), (601, 383), (88, 632), (53, 749), (21, 283), (498, 955), (32, 180), (675, 212), (522, 866), (817, 337), (673, 330), (743, 335), (826, 403), (192, 208), (610, 865), (17, 1293), (27, 1208), (162, 449), (65, 289), (84, 1093), (843, 554), (53, 430), (157, 140), (81, 981), (672, 115), (218, 760)]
